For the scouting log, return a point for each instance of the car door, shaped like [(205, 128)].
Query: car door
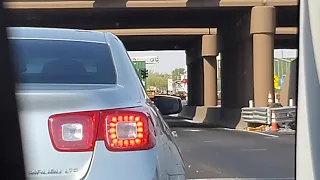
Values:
[(174, 160), (172, 137)]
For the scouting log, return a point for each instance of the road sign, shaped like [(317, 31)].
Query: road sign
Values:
[(281, 81), (152, 60), (276, 82), (147, 59)]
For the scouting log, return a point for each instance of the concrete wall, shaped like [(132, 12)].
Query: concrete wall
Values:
[(289, 89)]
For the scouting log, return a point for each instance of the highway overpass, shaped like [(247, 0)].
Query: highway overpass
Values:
[(245, 32)]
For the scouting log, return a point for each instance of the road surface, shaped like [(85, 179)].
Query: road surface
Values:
[(221, 153)]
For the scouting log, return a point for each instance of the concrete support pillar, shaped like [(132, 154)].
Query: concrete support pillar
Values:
[(191, 80), (189, 84), (229, 77), (263, 23), (195, 78), (198, 82), (209, 53), (210, 80)]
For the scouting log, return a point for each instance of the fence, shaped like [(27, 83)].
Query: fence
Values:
[(262, 115)]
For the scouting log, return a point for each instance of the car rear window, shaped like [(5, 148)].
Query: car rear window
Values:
[(63, 62)]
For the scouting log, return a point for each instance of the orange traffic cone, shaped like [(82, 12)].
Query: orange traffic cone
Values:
[(274, 124)]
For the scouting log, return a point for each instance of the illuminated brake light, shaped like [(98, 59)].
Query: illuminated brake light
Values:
[(128, 130), (121, 129)]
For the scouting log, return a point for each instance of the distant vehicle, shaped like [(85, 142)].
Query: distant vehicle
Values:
[(151, 93), (84, 113), (182, 95)]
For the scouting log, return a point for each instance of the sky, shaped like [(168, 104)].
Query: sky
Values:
[(169, 60)]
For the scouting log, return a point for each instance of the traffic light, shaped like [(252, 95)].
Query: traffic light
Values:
[(144, 73)]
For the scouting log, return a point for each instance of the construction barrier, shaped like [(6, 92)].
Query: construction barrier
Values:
[(259, 115), (284, 116), (274, 116)]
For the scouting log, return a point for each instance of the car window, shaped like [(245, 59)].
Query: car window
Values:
[(63, 62), (121, 53), (124, 53)]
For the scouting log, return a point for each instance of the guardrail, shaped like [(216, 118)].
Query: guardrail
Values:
[(263, 115), (284, 115), (256, 115)]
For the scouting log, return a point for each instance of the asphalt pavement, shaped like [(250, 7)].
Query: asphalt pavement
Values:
[(223, 153)]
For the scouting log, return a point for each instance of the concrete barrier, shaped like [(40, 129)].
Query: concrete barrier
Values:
[(208, 115), (231, 118), (215, 116), (200, 114), (188, 112)]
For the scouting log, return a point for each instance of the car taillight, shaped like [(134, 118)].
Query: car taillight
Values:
[(121, 129), (127, 130), (74, 131)]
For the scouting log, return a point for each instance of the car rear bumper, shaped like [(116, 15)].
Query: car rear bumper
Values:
[(105, 165)]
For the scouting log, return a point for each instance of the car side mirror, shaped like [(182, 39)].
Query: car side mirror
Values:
[(168, 104)]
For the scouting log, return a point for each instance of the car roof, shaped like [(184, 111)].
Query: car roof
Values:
[(57, 33)]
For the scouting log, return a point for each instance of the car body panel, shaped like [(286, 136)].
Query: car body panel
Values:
[(176, 165), (55, 33), (39, 101), (141, 165)]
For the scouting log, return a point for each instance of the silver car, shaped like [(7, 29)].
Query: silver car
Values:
[(84, 113)]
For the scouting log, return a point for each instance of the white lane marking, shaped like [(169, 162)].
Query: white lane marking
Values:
[(269, 137), (255, 132), (192, 130), (210, 141), (182, 120), (213, 141), (288, 178), (192, 121)]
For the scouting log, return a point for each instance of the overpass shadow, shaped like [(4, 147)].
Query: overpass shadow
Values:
[(201, 3), (110, 4)]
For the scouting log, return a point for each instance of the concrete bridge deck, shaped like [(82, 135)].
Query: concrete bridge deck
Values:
[(53, 4)]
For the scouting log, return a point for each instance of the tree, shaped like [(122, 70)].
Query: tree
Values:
[(159, 80), (176, 73)]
